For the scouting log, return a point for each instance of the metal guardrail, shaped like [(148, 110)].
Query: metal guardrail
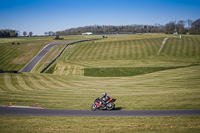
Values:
[(62, 52), (2, 71)]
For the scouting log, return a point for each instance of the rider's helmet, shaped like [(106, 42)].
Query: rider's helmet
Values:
[(104, 94)]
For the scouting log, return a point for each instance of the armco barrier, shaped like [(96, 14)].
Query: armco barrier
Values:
[(62, 52), (1, 71)]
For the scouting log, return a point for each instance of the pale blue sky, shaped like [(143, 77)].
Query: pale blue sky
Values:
[(39, 16)]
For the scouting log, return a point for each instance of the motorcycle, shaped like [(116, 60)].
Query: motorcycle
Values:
[(109, 104)]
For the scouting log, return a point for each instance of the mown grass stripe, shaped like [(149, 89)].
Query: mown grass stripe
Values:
[(67, 83), (22, 82), (2, 84), (87, 53), (76, 50), (194, 48), (7, 57), (182, 48), (16, 82), (97, 52), (142, 48), (167, 49), (136, 49), (117, 50), (36, 83), (94, 52), (83, 52), (27, 79), (49, 80), (7, 63), (8, 83), (131, 49), (105, 49), (188, 47), (111, 52), (154, 47), (176, 47), (44, 82), (125, 49), (148, 47)]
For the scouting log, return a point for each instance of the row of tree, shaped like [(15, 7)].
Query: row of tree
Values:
[(29, 34), (49, 33), (181, 27), (8, 33)]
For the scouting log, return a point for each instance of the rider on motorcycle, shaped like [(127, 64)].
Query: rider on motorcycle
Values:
[(104, 99)]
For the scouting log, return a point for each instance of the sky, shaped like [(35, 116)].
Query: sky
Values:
[(40, 16)]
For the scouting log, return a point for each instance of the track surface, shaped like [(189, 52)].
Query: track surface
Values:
[(9, 111), (29, 66)]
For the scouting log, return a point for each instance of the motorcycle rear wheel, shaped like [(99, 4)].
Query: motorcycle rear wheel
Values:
[(110, 106), (93, 107)]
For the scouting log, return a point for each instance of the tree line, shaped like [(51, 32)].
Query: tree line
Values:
[(29, 34), (181, 27), (8, 33)]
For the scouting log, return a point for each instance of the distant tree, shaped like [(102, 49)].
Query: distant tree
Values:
[(46, 33), (24, 33), (30, 33), (8, 33), (181, 27), (51, 33), (195, 29), (170, 28)]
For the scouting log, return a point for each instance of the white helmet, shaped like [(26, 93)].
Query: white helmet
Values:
[(104, 94)]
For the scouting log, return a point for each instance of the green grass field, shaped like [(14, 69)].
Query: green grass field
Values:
[(26, 124), (176, 88), (135, 52), (168, 89), (15, 57)]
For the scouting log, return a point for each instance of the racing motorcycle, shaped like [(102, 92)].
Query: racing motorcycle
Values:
[(109, 104)]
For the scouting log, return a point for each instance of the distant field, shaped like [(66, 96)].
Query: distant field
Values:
[(15, 57), (136, 51)]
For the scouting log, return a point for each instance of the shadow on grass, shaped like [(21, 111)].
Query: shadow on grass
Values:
[(119, 108)]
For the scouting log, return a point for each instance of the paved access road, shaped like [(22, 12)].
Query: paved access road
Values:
[(10, 111), (29, 66)]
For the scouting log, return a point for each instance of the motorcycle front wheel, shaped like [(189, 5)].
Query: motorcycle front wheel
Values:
[(110, 106), (93, 107)]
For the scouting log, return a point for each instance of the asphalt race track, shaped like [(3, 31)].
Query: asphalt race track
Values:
[(29, 66), (14, 111)]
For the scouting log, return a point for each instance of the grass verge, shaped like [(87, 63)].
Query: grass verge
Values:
[(186, 124)]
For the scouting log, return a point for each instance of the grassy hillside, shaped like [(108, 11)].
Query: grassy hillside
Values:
[(15, 57), (169, 89), (134, 52)]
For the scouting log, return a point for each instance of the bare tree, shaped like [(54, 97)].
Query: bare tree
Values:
[(170, 27), (196, 27), (181, 27)]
